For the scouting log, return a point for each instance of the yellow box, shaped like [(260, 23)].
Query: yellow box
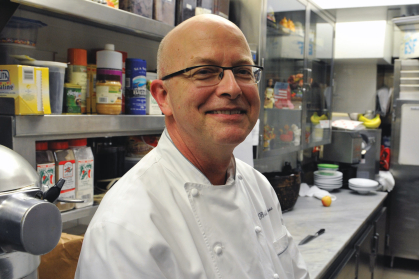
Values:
[(20, 82), (42, 76)]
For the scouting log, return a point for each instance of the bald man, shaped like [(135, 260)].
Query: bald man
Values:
[(189, 209)]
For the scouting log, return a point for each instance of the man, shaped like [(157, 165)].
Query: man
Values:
[(189, 210)]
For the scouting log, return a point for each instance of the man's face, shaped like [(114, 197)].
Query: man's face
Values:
[(209, 114)]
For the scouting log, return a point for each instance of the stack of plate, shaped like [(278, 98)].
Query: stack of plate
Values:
[(328, 182), (363, 185)]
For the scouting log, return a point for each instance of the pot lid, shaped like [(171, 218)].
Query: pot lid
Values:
[(15, 171)]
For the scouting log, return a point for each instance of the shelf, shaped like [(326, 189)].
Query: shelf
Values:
[(78, 213), (407, 22), (87, 125), (101, 15), (280, 151)]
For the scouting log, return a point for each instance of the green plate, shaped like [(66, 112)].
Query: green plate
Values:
[(327, 166)]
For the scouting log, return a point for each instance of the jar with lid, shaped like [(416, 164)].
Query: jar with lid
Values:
[(108, 81), (84, 171), (45, 165), (64, 168)]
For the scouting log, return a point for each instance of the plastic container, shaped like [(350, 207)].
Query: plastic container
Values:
[(164, 10), (21, 31), (64, 168), (56, 82), (139, 7), (45, 165), (108, 81), (77, 72), (84, 171)]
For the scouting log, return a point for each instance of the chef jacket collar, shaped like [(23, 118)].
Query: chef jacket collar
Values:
[(174, 160)]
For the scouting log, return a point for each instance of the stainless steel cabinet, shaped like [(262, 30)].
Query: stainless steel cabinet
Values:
[(293, 40)]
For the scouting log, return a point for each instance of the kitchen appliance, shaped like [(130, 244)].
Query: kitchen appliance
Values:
[(369, 165), (30, 226), (404, 161)]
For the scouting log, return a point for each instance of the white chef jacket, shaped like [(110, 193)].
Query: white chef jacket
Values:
[(164, 219)]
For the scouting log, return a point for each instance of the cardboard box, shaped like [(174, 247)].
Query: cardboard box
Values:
[(28, 86)]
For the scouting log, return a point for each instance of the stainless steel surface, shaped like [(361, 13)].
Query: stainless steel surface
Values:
[(404, 207), (311, 237), (15, 171), (78, 213), (19, 265), (21, 132), (92, 12), (29, 224), (379, 247), (370, 166), (364, 269), (345, 147), (407, 23)]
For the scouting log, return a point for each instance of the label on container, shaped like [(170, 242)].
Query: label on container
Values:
[(78, 75), (72, 99), (66, 171), (47, 174), (108, 94), (84, 185)]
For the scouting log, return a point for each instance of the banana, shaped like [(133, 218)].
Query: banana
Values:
[(315, 119), (324, 117), (363, 118), (373, 123)]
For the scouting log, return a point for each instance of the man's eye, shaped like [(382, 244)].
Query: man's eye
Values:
[(204, 73), (244, 72)]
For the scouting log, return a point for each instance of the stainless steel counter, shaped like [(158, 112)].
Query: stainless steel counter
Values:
[(342, 221)]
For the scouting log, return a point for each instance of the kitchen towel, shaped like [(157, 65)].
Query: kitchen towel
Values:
[(314, 191), (386, 179)]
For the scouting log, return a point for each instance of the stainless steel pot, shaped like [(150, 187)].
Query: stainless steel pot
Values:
[(29, 225)]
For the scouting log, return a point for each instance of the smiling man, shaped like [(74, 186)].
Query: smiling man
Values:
[(189, 209)]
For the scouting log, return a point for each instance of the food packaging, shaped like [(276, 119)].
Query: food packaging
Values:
[(152, 105), (28, 86), (61, 262), (164, 10), (139, 146), (139, 7), (184, 9), (56, 82), (222, 8)]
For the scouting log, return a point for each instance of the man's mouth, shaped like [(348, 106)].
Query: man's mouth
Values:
[(227, 112)]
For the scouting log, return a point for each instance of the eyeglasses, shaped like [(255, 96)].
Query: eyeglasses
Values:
[(209, 75)]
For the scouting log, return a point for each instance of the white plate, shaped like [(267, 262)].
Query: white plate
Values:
[(363, 182), (335, 174), (329, 188), (364, 188), (363, 191)]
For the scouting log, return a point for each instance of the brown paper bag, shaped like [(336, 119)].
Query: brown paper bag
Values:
[(61, 262)]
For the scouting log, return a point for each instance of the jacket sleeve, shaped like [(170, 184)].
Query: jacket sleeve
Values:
[(111, 251)]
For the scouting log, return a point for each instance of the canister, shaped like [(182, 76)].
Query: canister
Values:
[(136, 86)]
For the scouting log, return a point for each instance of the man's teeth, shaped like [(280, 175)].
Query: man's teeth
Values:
[(226, 112)]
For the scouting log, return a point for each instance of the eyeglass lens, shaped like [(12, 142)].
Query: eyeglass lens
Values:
[(212, 75)]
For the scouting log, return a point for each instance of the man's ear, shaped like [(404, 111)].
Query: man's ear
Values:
[(158, 90)]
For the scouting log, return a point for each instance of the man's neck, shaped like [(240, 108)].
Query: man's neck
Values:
[(212, 162)]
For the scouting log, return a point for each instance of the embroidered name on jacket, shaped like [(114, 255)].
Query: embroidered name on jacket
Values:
[(262, 214)]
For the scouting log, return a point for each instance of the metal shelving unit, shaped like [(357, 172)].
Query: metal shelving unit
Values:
[(21, 132), (76, 214), (91, 13)]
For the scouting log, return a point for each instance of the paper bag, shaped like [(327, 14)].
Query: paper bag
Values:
[(61, 262)]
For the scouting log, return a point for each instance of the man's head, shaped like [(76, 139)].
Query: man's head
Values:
[(221, 114)]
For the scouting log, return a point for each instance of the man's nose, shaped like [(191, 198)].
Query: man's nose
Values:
[(228, 85)]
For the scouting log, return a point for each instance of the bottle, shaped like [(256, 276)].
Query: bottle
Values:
[(64, 168), (136, 86), (84, 171), (45, 165), (108, 81), (77, 72), (124, 58)]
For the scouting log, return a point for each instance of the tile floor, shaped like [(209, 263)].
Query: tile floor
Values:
[(402, 269)]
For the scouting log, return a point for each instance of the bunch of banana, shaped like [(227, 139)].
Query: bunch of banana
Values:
[(315, 118), (370, 123)]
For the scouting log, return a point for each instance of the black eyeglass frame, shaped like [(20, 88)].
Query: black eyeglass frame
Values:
[(194, 67)]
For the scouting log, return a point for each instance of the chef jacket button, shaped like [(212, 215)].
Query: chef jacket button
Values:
[(258, 229), (218, 249), (276, 276), (239, 176), (194, 192)]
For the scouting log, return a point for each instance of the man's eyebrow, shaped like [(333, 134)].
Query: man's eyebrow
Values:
[(209, 61)]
